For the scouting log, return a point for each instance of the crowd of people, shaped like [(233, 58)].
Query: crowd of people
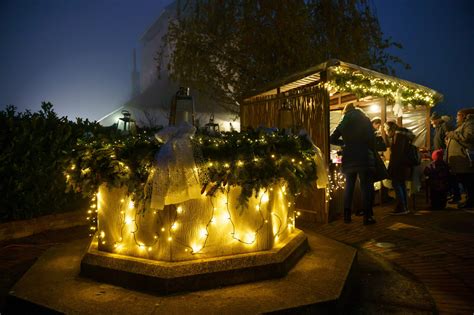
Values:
[(450, 172)]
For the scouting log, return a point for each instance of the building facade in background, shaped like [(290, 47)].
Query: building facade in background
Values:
[(152, 94)]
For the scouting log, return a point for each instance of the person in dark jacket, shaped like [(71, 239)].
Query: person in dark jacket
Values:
[(399, 168), (441, 127), (358, 159), (380, 147), (438, 179)]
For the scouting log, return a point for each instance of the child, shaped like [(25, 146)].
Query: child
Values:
[(438, 177)]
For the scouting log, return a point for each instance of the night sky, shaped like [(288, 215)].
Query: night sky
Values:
[(77, 54)]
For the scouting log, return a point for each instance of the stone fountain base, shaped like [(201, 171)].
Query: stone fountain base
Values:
[(320, 283), (170, 277)]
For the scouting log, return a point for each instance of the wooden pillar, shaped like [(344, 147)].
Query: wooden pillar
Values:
[(383, 117), (326, 156), (400, 121), (428, 128)]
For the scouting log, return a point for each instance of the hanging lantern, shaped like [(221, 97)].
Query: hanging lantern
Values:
[(182, 107), (211, 127), (128, 125), (286, 117)]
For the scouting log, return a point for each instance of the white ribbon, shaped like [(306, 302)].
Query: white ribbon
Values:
[(322, 178), (321, 172), (175, 177)]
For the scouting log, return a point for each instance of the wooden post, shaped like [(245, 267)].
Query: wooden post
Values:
[(428, 128), (400, 121), (327, 112), (383, 117)]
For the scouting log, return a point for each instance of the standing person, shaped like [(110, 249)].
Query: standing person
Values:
[(357, 158), (399, 168), (380, 145), (460, 141), (438, 180), (441, 127)]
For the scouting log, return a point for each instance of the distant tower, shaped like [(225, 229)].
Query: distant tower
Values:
[(135, 77)]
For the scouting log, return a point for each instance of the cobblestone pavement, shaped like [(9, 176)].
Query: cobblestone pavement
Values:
[(437, 247)]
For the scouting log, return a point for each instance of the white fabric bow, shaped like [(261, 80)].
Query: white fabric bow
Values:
[(175, 177)]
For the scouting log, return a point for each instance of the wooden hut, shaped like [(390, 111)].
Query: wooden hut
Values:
[(316, 98)]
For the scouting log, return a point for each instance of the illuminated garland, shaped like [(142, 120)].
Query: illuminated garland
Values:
[(253, 160), (256, 160), (117, 162), (345, 80)]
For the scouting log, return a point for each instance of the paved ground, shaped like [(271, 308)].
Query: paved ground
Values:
[(412, 264), (17, 256), (436, 247)]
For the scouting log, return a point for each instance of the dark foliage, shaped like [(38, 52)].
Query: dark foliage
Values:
[(34, 150), (226, 49)]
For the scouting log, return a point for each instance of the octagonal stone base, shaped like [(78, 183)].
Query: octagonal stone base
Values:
[(320, 283), (170, 277)]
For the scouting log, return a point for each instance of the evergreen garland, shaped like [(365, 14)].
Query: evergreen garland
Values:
[(251, 160), (256, 160), (361, 85), (120, 162)]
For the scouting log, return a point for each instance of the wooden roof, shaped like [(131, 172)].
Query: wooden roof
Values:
[(313, 74)]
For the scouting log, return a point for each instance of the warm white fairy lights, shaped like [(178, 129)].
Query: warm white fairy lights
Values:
[(220, 223), (337, 182), (346, 80)]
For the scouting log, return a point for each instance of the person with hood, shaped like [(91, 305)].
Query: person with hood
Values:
[(358, 160), (441, 127), (399, 168), (460, 144)]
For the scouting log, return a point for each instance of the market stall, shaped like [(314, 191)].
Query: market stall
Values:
[(315, 99)]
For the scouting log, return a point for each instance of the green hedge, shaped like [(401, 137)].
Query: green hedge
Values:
[(34, 150)]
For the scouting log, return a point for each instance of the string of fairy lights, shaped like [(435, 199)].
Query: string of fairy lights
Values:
[(193, 249), (360, 84)]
